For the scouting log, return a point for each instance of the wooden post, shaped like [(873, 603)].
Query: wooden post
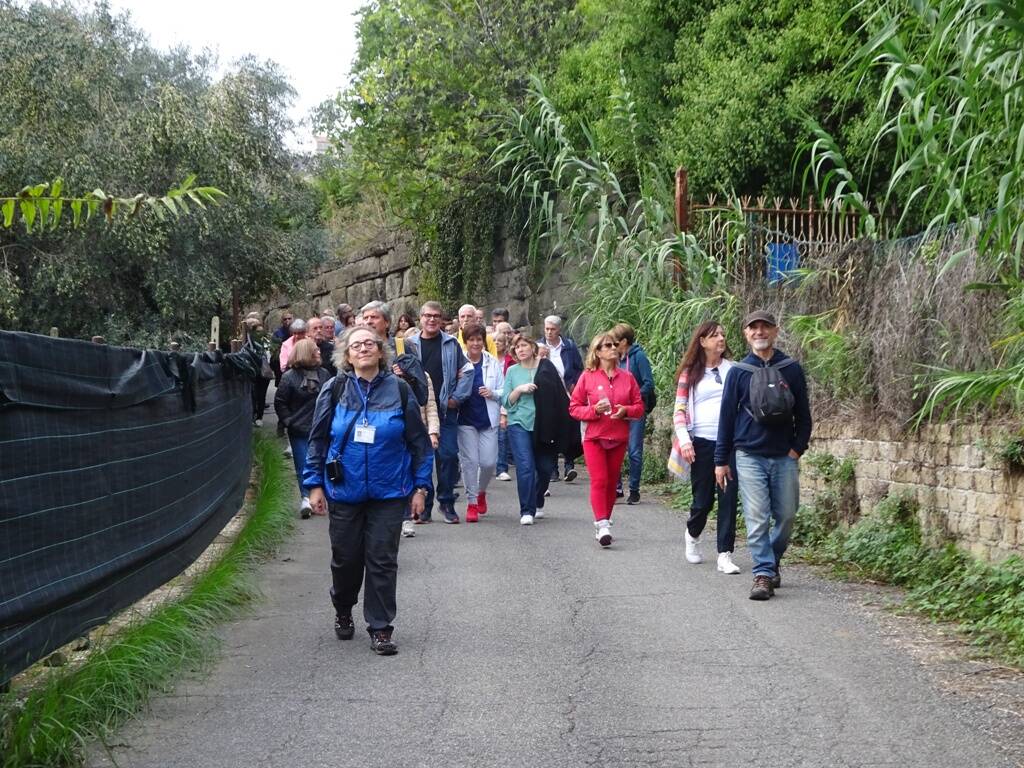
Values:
[(682, 200), (214, 333), (236, 345), (98, 340), (54, 332), (236, 311)]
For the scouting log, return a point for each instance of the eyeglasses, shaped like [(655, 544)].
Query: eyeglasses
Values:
[(364, 344), (426, 316), (718, 379), (609, 345)]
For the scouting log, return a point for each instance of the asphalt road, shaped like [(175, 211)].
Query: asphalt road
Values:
[(533, 647)]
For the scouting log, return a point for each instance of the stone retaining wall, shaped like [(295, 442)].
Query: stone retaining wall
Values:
[(963, 487), (386, 270)]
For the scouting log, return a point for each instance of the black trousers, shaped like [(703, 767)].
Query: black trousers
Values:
[(364, 540), (702, 481), (259, 397)]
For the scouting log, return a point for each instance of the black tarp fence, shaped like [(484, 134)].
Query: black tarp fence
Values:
[(117, 468)]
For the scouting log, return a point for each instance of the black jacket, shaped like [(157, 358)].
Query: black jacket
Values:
[(295, 399), (553, 428)]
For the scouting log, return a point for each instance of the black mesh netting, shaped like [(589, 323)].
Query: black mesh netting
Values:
[(117, 468)]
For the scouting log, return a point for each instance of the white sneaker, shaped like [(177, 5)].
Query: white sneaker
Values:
[(288, 449), (693, 554), (305, 509), (604, 533), (408, 529), (546, 494), (526, 520), (539, 515), (505, 476), (725, 563), (258, 423)]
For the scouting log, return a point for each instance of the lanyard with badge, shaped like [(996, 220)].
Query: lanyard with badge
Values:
[(365, 431)]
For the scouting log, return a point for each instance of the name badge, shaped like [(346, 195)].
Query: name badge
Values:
[(365, 434)]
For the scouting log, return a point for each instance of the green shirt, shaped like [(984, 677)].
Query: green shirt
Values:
[(522, 411)]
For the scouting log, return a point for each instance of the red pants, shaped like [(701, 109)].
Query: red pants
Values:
[(604, 466)]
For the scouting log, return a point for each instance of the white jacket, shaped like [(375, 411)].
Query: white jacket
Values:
[(494, 380)]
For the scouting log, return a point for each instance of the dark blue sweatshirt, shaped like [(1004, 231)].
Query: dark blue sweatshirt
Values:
[(737, 428)]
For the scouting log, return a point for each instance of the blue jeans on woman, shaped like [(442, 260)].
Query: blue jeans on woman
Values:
[(299, 447), (533, 469), (502, 451)]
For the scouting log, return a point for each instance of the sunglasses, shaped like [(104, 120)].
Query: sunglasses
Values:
[(609, 345), (718, 378)]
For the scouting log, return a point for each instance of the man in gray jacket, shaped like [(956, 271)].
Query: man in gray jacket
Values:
[(452, 374)]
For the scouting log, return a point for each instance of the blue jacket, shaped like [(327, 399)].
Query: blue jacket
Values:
[(571, 361), (400, 458), (639, 365), (453, 361), (737, 429)]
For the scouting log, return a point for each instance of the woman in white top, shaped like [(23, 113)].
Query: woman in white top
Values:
[(478, 422), (699, 384)]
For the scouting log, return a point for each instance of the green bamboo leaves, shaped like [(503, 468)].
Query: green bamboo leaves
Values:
[(41, 206)]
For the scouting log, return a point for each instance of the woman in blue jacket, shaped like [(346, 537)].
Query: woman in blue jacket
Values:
[(368, 458)]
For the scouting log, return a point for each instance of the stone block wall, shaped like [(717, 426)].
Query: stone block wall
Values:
[(962, 486), (386, 270)]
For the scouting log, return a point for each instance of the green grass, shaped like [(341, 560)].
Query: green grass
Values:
[(55, 722), (984, 600)]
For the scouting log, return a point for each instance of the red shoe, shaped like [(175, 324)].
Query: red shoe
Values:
[(481, 503), (472, 513)]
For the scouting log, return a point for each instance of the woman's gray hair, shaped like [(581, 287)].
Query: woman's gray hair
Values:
[(340, 358), (298, 325)]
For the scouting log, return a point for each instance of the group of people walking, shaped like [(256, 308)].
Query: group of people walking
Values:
[(366, 440)]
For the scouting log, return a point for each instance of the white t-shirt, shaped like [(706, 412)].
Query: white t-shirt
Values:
[(706, 402)]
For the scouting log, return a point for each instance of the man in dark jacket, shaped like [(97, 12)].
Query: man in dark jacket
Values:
[(767, 455), (634, 360), (565, 356)]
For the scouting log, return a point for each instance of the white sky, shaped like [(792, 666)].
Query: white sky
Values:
[(314, 41)]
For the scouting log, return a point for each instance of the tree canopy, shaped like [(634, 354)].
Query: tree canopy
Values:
[(86, 99)]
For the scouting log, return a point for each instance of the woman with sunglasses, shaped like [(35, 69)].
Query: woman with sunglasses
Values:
[(604, 398), (699, 387)]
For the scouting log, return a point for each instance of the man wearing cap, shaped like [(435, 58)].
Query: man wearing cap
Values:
[(767, 454)]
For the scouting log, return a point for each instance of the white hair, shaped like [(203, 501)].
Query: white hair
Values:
[(466, 306), (553, 320)]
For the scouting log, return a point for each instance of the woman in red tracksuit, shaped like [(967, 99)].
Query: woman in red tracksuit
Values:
[(605, 397)]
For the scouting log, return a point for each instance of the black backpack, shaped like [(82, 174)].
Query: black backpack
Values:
[(771, 399)]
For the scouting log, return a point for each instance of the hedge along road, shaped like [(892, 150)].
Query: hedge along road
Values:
[(533, 647)]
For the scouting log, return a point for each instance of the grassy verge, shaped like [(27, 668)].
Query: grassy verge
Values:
[(983, 600), (55, 722)]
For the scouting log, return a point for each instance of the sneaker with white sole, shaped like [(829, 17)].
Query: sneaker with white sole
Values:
[(693, 554), (288, 450), (570, 475), (526, 520), (408, 528), (538, 515), (305, 509), (505, 477), (725, 563), (604, 533)]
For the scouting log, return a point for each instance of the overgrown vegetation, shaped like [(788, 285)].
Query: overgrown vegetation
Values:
[(887, 545), (54, 723), (87, 100)]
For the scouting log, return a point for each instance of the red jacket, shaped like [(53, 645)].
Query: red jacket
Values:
[(621, 390)]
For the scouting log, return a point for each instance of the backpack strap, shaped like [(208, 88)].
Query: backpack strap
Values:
[(746, 367)]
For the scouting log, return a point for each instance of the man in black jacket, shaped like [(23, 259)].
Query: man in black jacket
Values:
[(767, 454)]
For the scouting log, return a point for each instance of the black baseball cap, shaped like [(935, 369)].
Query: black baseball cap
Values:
[(759, 314)]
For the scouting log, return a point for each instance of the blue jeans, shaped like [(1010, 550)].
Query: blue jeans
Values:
[(446, 460), (637, 429), (533, 469), (299, 447), (502, 451), (770, 490)]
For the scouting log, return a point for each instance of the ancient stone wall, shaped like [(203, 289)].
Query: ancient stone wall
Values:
[(964, 489), (386, 270)]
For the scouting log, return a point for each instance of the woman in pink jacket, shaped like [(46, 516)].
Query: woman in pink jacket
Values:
[(605, 397)]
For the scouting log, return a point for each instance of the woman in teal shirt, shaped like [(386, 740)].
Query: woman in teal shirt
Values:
[(533, 465)]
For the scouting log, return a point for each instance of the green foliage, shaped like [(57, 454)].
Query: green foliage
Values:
[(417, 124), (835, 359), (59, 718), (817, 523), (1012, 454), (88, 101), (44, 212)]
